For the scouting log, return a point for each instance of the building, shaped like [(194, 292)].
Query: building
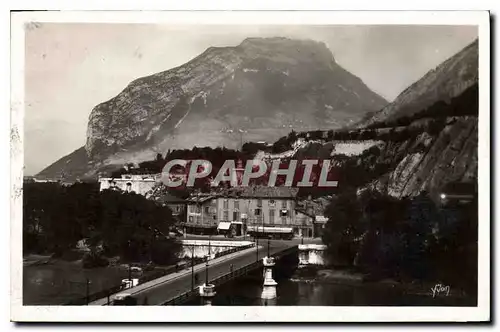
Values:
[(267, 211), (176, 204), (458, 193), (315, 209), (140, 184), (32, 179)]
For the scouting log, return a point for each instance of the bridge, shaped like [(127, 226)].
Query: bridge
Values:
[(179, 287)]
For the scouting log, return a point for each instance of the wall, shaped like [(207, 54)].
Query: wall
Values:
[(304, 225), (312, 254), (200, 248), (139, 186), (249, 205), (200, 216), (211, 212)]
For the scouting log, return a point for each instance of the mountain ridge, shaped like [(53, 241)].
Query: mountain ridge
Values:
[(264, 87), (445, 81)]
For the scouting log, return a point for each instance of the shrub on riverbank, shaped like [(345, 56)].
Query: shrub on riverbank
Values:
[(93, 259)]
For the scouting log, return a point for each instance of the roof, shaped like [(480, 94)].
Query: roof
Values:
[(224, 225), (200, 198), (313, 208), (160, 194), (262, 192), (169, 199)]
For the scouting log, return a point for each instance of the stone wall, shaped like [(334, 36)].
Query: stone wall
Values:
[(200, 248), (312, 254)]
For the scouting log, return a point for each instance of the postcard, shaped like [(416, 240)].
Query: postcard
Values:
[(250, 166)]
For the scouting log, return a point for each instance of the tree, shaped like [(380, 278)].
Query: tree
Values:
[(343, 227), (112, 223)]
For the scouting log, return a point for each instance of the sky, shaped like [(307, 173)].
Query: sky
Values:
[(72, 67)]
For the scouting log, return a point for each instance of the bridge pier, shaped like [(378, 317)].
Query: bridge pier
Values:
[(207, 293), (269, 289)]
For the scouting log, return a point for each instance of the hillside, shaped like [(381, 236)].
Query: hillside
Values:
[(433, 149), (448, 80), (258, 90)]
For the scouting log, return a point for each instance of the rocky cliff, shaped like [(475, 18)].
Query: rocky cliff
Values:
[(448, 80), (258, 90), (436, 144)]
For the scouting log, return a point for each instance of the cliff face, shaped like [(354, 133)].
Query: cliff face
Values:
[(428, 163), (446, 81), (437, 145), (258, 90)]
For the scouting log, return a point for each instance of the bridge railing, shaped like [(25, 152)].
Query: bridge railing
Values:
[(190, 294), (145, 278)]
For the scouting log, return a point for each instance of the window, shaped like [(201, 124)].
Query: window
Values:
[(226, 204), (191, 219), (257, 212), (283, 204), (272, 202), (129, 187), (284, 213), (215, 217), (237, 205), (236, 216), (207, 209), (259, 202), (271, 216), (226, 216)]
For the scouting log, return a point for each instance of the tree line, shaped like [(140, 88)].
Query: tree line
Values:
[(406, 239), (112, 223)]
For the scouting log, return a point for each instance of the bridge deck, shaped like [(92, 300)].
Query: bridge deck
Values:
[(178, 285)]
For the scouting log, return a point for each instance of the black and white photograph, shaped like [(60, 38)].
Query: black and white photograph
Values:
[(229, 166)]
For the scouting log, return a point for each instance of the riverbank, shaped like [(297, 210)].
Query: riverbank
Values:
[(321, 275), (56, 281)]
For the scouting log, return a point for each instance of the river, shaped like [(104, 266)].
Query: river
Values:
[(59, 282), (304, 291)]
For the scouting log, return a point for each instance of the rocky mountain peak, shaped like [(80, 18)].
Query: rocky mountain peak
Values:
[(263, 87)]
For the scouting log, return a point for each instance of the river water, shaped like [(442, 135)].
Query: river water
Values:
[(61, 282), (301, 291)]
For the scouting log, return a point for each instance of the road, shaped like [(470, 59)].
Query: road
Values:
[(162, 289)]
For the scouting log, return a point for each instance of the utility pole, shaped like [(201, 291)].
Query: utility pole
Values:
[(129, 266), (257, 243), (268, 248), (192, 267), (87, 290), (206, 272)]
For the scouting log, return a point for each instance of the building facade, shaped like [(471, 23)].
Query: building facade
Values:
[(140, 184), (267, 208)]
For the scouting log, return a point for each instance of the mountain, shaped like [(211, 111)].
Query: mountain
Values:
[(446, 81), (425, 139), (256, 91)]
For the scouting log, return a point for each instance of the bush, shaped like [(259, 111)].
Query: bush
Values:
[(94, 259)]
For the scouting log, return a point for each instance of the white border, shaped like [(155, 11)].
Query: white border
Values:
[(251, 314)]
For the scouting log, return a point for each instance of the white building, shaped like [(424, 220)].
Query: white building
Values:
[(140, 184)]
